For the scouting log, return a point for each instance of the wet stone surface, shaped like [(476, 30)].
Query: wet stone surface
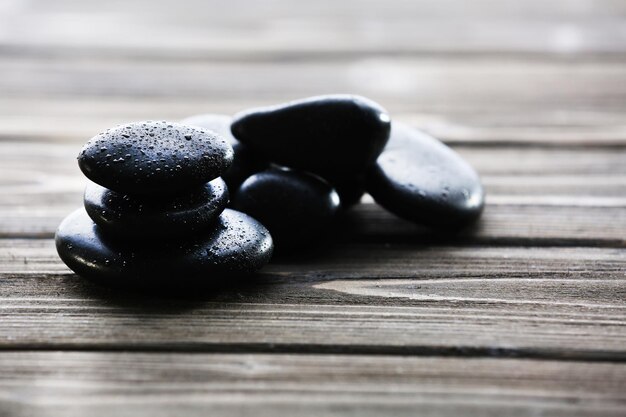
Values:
[(141, 217), (237, 245), (419, 178), (296, 207), (154, 157), (246, 161), (336, 136)]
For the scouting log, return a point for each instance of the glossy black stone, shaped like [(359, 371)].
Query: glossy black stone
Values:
[(139, 217), (246, 161), (421, 179), (296, 207), (237, 245), (154, 157), (335, 136)]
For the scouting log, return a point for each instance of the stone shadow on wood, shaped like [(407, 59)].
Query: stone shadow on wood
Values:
[(165, 299)]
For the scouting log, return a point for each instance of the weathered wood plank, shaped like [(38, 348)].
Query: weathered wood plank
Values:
[(502, 224), (459, 82), (398, 84), (282, 29), (70, 69), (381, 260), (554, 195), (458, 99), (534, 302), (525, 224), (64, 119), (124, 384)]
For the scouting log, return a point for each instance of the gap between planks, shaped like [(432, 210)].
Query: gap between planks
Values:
[(551, 355)]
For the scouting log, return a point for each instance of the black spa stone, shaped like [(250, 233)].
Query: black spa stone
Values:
[(295, 206), (154, 157), (140, 217), (237, 245), (335, 136), (421, 179), (246, 161)]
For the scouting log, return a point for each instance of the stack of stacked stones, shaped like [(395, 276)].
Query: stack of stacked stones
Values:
[(297, 164), (155, 210)]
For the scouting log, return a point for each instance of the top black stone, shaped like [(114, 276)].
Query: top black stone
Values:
[(154, 157), (334, 136)]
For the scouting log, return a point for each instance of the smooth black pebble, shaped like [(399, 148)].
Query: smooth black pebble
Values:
[(336, 136), (246, 161), (295, 206), (421, 179), (238, 245), (154, 157), (140, 217)]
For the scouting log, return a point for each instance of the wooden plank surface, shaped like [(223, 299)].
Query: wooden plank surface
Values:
[(356, 298), (280, 29), (542, 196), (523, 314), (457, 99), (499, 121), (161, 384), (521, 220), (66, 84)]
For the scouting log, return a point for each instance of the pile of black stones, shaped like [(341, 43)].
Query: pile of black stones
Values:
[(156, 204)]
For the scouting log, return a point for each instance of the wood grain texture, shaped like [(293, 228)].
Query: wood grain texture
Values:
[(541, 196), (382, 260), (160, 384), (457, 99), (522, 315), (283, 29), (485, 71), (460, 81), (63, 118), (529, 302), (501, 224)]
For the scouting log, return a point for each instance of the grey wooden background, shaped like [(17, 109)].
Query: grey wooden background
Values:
[(523, 315)]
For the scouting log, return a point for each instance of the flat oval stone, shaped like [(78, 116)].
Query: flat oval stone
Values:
[(138, 217), (246, 161), (334, 136), (421, 179), (154, 157), (237, 245), (295, 206)]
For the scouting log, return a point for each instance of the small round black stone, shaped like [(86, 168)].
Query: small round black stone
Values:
[(138, 217), (237, 245), (421, 179), (246, 161), (337, 136), (154, 157), (295, 206)]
